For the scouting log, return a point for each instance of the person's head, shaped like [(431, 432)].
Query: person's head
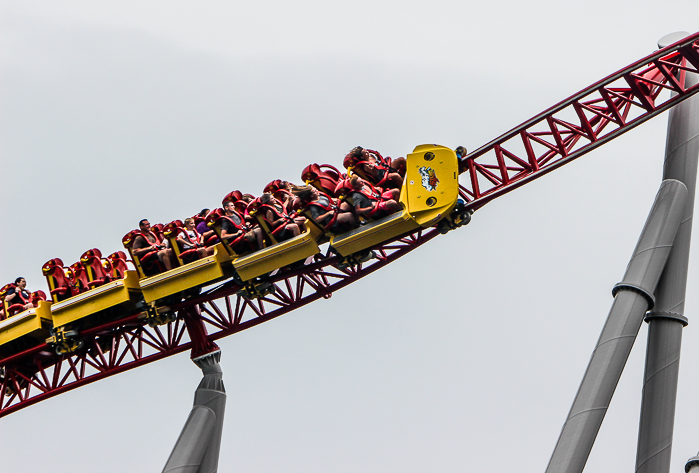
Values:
[(356, 182), (356, 151), (248, 198), (21, 283), (229, 207), (266, 198), (144, 225), (204, 212), (460, 152), (189, 223)]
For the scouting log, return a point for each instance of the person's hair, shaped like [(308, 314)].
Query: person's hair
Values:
[(187, 221), (248, 198), (356, 151), (266, 198), (461, 150), (18, 280), (302, 192), (354, 179), (140, 222), (203, 212)]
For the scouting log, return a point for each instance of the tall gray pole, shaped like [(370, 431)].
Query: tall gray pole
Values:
[(197, 449), (633, 297), (666, 320)]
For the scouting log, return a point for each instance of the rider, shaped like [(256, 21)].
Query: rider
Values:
[(146, 243), (370, 202), (191, 239), (234, 226), (325, 211), (374, 168), (19, 295), (276, 215)]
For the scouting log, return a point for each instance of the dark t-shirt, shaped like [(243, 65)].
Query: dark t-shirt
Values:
[(18, 300), (316, 211), (362, 201), (228, 226)]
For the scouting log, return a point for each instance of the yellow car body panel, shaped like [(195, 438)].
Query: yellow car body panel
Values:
[(34, 323), (197, 273), (106, 296), (276, 256), (374, 233), (429, 193), (431, 186)]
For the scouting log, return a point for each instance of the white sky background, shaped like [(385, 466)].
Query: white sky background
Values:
[(463, 356)]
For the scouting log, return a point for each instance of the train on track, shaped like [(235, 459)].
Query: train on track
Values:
[(96, 290)]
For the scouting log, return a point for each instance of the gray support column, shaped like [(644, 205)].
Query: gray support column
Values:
[(197, 449), (211, 394), (193, 442), (667, 319), (633, 297)]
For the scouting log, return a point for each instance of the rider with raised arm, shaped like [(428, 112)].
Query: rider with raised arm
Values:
[(146, 243), (19, 295)]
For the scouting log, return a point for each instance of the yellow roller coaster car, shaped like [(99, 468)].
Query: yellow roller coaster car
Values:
[(430, 192)]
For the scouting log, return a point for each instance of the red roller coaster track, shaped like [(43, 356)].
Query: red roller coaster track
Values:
[(579, 124)]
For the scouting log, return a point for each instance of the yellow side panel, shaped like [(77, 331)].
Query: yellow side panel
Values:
[(431, 187), (374, 233), (96, 300), (33, 322), (197, 273), (276, 256)]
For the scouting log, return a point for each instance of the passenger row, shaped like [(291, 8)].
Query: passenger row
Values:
[(334, 202), (376, 200), (330, 201)]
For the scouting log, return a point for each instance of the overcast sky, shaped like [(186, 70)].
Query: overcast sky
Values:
[(463, 356)]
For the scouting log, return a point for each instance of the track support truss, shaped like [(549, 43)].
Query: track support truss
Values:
[(581, 123), (39, 374)]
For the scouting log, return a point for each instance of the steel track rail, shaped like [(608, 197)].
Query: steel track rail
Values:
[(580, 123)]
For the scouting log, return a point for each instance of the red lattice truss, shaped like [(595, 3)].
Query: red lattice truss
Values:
[(581, 123), (39, 374)]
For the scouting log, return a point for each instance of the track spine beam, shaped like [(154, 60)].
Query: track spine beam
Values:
[(597, 114)]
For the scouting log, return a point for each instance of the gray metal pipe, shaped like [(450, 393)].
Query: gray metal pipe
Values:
[(198, 447), (666, 320), (193, 442), (633, 297), (212, 394)]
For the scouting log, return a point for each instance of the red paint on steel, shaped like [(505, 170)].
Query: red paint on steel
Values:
[(594, 115)]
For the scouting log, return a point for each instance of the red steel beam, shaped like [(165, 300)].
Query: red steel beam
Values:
[(581, 123)]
